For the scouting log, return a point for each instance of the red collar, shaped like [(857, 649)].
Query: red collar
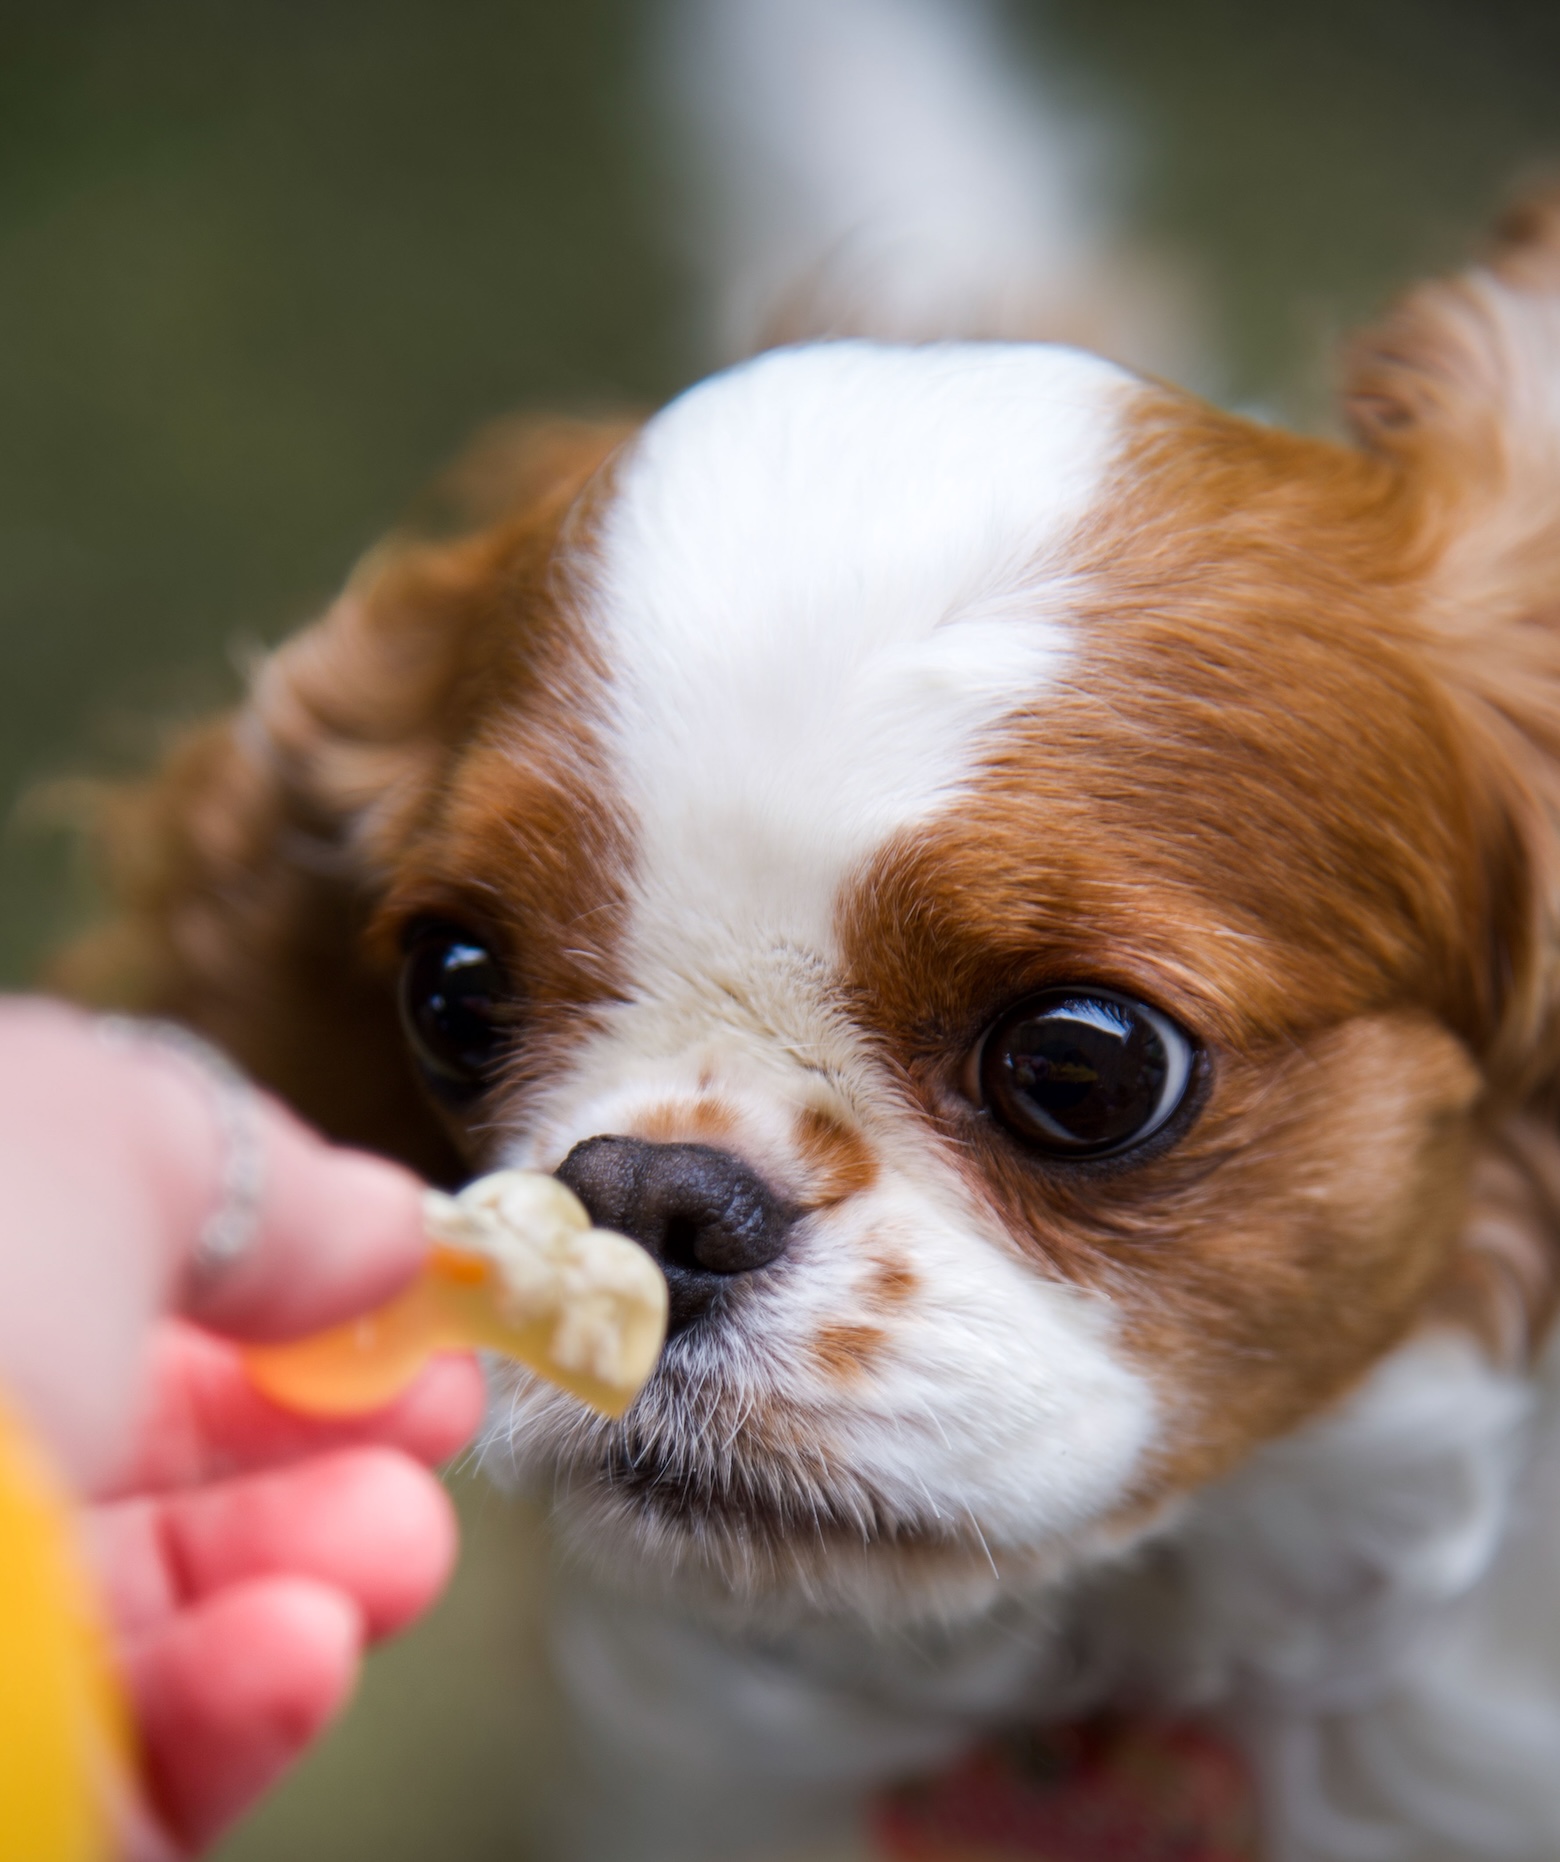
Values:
[(1109, 1790)]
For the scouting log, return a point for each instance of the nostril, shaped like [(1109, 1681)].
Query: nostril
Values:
[(700, 1211), (679, 1242)]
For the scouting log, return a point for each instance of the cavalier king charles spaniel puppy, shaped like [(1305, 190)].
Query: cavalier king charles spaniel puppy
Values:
[(1037, 900)]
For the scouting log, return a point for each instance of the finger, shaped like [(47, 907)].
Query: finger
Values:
[(367, 1521), (338, 1232), (229, 1694), (203, 1419)]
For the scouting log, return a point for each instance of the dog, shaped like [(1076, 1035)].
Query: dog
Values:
[(1037, 899)]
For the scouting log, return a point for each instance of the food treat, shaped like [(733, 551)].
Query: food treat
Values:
[(515, 1267)]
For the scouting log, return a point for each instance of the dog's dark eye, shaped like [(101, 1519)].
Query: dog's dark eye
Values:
[(452, 990), (1080, 1073)]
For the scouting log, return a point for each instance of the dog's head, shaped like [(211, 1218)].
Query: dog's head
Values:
[(1031, 896)]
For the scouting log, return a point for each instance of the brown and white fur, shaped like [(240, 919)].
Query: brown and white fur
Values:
[(778, 746)]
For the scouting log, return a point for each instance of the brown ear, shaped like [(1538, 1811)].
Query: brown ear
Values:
[(1459, 389), (246, 869), (1460, 385)]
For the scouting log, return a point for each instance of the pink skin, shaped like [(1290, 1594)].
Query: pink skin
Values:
[(246, 1557)]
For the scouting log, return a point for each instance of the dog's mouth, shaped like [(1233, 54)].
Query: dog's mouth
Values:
[(712, 1447), (718, 1474)]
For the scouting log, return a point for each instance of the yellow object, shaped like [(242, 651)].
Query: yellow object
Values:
[(515, 1268), (64, 1743)]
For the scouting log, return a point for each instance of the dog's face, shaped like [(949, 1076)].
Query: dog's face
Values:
[(981, 864), (983, 817)]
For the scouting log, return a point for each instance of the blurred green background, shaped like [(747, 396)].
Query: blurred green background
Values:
[(263, 263)]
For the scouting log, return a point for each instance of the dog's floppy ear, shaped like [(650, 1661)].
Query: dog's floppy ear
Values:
[(1459, 389), (245, 870), (1461, 386)]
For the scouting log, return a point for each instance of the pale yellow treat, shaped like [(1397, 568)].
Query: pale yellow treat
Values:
[(515, 1267)]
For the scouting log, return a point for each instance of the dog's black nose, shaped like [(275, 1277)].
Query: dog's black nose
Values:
[(701, 1212)]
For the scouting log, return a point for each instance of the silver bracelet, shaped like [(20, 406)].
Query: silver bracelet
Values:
[(229, 1231)]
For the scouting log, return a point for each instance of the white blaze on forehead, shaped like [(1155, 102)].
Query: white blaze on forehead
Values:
[(826, 576), (824, 582)]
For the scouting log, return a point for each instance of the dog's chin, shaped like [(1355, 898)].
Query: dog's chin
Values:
[(707, 1495)]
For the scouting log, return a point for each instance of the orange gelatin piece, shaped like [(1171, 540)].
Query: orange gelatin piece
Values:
[(354, 1368)]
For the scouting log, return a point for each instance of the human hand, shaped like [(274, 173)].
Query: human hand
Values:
[(246, 1560), (246, 1557)]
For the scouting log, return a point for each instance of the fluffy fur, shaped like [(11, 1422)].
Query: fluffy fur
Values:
[(777, 748)]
